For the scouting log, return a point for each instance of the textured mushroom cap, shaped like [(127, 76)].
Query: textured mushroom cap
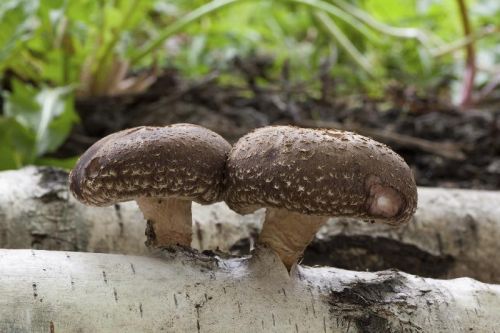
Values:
[(319, 172), (183, 161)]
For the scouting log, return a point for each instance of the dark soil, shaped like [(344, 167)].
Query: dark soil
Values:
[(459, 148)]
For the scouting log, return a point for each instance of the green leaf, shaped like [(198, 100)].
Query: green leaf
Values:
[(17, 24), (47, 113), (17, 146), (20, 104), (57, 118)]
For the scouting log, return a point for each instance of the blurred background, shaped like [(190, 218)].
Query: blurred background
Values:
[(422, 76)]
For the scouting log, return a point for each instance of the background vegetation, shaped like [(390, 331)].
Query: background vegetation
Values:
[(53, 52)]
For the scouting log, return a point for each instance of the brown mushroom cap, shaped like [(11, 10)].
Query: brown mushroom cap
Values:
[(319, 172), (183, 161)]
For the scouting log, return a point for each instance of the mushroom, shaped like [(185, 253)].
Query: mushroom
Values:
[(303, 176), (162, 168)]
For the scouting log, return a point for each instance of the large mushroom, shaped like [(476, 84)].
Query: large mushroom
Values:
[(162, 168), (303, 176)]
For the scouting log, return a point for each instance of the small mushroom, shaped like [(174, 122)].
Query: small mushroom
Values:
[(302, 176), (162, 168)]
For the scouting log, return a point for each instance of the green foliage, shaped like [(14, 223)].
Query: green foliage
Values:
[(48, 50), (52, 51), (87, 42), (35, 122), (304, 32), (17, 146), (17, 25)]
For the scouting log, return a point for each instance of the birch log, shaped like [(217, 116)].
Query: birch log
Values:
[(49, 291), (454, 232), (37, 211)]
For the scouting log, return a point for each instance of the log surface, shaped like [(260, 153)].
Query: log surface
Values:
[(37, 211), (454, 233), (178, 291)]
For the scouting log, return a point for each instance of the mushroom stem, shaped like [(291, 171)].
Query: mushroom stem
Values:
[(288, 233), (169, 221)]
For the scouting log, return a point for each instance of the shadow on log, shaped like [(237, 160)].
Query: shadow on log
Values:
[(363, 252)]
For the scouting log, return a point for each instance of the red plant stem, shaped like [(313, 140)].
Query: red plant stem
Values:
[(470, 62)]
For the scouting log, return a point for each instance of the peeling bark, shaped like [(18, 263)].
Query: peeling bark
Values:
[(454, 232), (178, 291)]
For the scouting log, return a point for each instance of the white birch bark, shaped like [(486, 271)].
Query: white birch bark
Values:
[(454, 232), (49, 291), (37, 211)]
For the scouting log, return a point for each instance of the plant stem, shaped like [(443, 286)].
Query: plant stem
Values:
[(344, 42), (465, 41), (406, 33), (101, 69), (179, 24), (470, 61), (345, 15)]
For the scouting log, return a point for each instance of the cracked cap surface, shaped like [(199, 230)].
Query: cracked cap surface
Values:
[(182, 160), (320, 172)]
